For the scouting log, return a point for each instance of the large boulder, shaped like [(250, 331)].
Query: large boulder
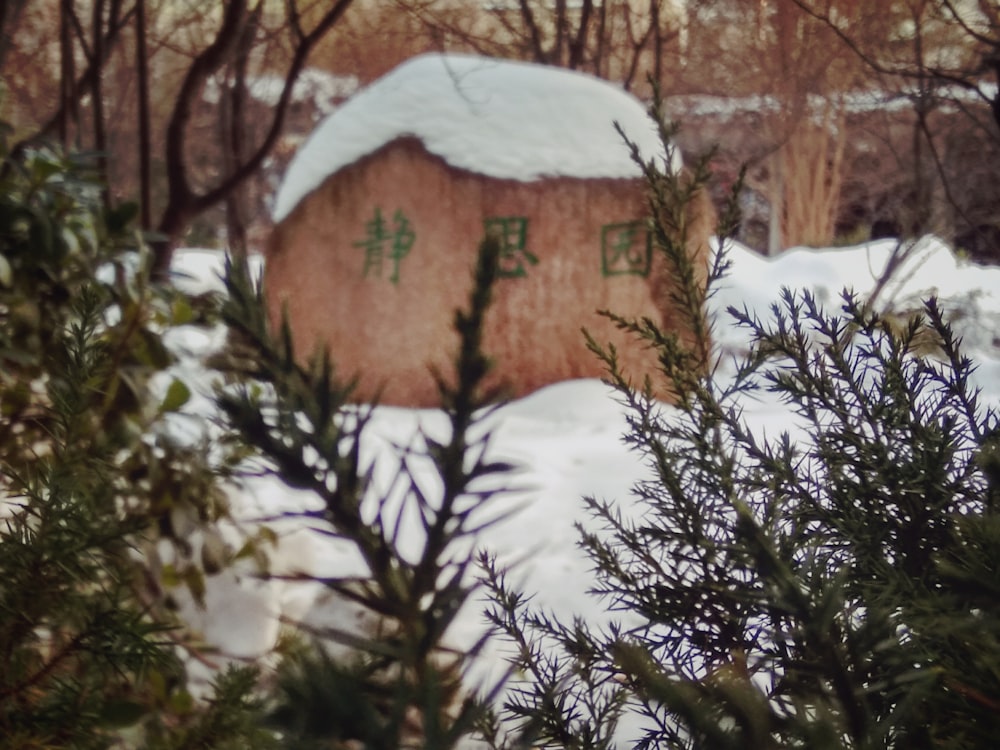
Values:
[(381, 214)]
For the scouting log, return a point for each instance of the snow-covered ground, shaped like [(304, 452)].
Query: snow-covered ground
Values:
[(566, 439)]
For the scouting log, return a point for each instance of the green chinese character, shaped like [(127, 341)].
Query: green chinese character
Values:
[(625, 249), (379, 238), (512, 232)]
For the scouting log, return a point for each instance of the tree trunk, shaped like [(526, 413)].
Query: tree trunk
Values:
[(776, 189), (67, 75), (233, 130), (145, 140), (97, 100)]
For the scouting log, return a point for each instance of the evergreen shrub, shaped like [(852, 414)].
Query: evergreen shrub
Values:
[(398, 683), (90, 482), (834, 586)]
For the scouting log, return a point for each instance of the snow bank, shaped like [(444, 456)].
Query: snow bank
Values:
[(566, 441), (507, 120), (927, 267)]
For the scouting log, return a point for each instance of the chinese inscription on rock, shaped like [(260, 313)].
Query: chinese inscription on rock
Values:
[(625, 249), (512, 232), (386, 243)]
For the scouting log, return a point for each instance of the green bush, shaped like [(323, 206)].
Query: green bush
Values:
[(90, 480), (399, 685), (93, 485), (832, 588)]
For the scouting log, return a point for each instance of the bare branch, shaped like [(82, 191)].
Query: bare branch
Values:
[(867, 59), (81, 35), (940, 167), (969, 31), (183, 203), (534, 34), (579, 43), (82, 84), (213, 57), (294, 20), (918, 70), (298, 63)]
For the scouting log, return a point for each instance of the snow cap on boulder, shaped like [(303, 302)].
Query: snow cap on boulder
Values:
[(503, 119)]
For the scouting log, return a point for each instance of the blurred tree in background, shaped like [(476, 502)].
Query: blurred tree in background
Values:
[(852, 116), (942, 58), (128, 79)]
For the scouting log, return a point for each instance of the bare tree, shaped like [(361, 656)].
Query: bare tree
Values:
[(233, 132), (955, 42), (10, 15), (619, 40), (94, 48), (227, 37), (801, 138), (184, 202), (941, 56)]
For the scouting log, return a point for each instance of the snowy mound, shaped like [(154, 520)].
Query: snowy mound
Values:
[(924, 268), (502, 119), (566, 441)]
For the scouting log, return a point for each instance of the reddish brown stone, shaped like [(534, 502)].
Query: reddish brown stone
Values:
[(392, 325)]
